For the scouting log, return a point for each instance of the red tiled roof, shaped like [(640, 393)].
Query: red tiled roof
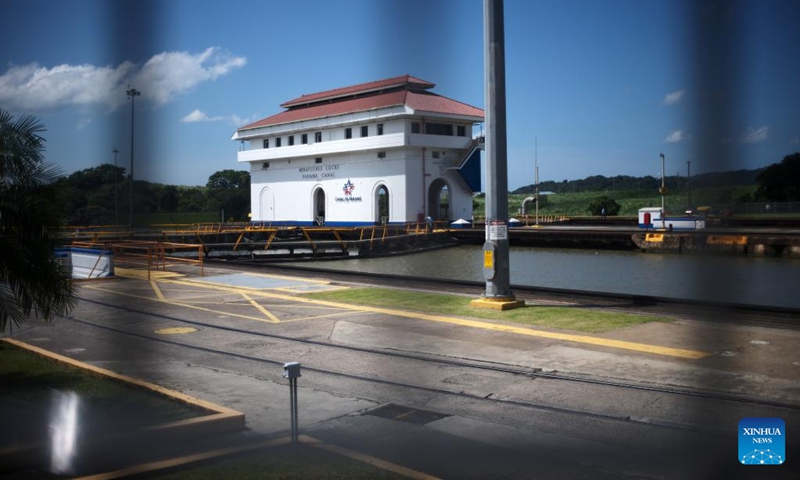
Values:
[(423, 101), (360, 88), (431, 102)]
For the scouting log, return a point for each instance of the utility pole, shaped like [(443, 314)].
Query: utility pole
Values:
[(496, 270), (132, 93), (116, 197)]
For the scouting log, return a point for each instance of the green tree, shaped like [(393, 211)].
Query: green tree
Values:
[(229, 190), (31, 279), (780, 182), (604, 201), (168, 198), (191, 199)]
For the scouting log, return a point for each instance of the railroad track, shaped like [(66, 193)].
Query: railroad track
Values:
[(426, 360)]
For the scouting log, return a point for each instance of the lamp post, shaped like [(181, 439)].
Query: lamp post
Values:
[(662, 191), (132, 93), (116, 201)]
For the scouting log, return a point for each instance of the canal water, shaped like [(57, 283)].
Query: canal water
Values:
[(736, 279)]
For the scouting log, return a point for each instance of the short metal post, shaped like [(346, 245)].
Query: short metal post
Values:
[(291, 371), (293, 407)]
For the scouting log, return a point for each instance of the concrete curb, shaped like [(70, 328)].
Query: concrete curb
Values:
[(221, 419)]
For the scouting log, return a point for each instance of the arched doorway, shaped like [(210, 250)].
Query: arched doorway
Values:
[(267, 203), (319, 206), (439, 200), (382, 205)]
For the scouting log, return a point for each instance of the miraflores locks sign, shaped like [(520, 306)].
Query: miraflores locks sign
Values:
[(316, 172), (322, 172)]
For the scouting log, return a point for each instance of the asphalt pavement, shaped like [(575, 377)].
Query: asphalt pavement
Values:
[(578, 433)]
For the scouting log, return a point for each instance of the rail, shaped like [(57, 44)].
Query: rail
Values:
[(148, 254)]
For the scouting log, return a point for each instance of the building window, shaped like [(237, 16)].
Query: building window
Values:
[(266, 143), (365, 130), (461, 131), (439, 129), (318, 160), (435, 154), (380, 129), (278, 142), (414, 127), (291, 140), (348, 133), (304, 139), (381, 154), (318, 137)]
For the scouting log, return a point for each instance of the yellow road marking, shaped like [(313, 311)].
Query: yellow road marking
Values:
[(603, 342), (175, 330), (376, 462), (261, 309), (185, 460), (142, 273), (337, 314), (179, 304), (158, 291), (212, 407)]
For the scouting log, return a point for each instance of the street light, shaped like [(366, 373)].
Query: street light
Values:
[(116, 201), (662, 191), (132, 93)]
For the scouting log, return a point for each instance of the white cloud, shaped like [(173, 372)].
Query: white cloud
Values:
[(755, 135), (675, 136), (240, 122), (35, 88), (674, 97), (171, 73), (83, 124), (198, 115)]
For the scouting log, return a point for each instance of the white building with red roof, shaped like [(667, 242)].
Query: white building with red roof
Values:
[(389, 151)]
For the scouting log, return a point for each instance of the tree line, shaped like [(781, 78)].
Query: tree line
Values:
[(101, 196), (626, 182), (779, 182)]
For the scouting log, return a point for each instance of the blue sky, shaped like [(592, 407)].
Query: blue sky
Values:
[(602, 87)]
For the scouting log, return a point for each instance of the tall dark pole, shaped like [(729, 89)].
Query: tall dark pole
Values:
[(495, 250), (132, 93), (116, 197), (663, 191), (689, 182)]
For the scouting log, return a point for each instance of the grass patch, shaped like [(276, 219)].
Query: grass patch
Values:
[(27, 385), (567, 318), (288, 462)]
